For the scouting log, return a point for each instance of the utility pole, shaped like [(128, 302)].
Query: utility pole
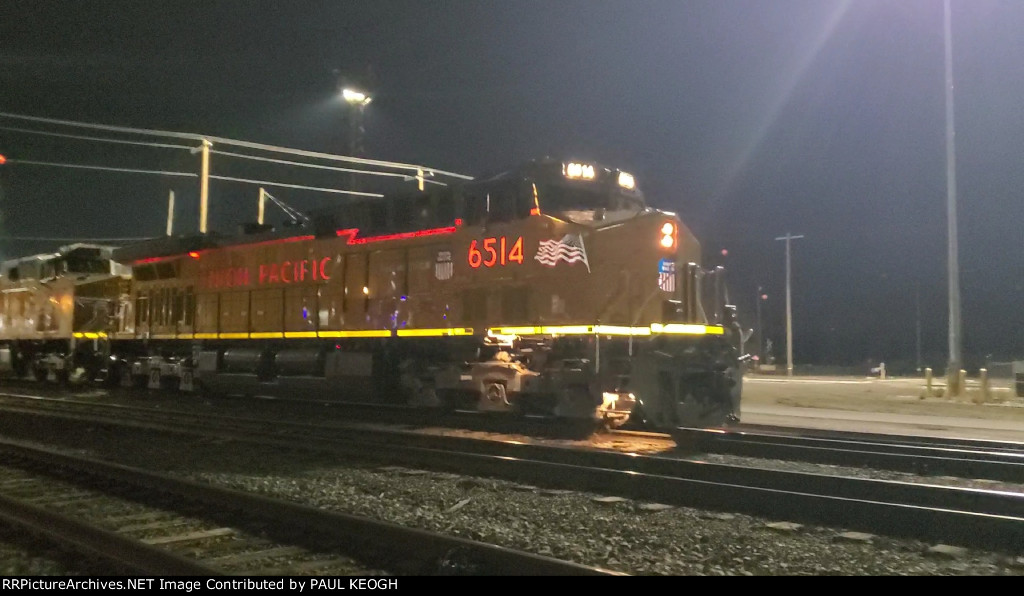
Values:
[(917, 302), (170, 213), (955, 359), (789, 306), (204, 185), (262, 207), (760, 334)]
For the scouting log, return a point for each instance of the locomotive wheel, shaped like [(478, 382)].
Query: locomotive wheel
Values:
[(417, 385), (448, 400), (608, 424), (424, 395), (21, 366), (79, 376), (575, 402), (205, 392)]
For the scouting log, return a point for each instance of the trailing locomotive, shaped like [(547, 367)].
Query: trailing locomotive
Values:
[(56, 311), (550, 289)]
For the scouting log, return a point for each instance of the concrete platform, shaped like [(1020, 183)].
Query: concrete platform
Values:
[(895, 406)]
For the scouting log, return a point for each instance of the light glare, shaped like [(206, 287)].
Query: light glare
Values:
[(355, 97)]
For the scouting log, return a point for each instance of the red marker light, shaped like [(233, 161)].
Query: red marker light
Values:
[(725, 252), (3, 160), (458, 221), (193, 254)]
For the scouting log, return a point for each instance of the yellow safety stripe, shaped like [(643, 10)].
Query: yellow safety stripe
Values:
[(659, 328), (670, 328), (621, 330), (435, 332), (680, 328), (573, 330), (233, 335), (358, 333)]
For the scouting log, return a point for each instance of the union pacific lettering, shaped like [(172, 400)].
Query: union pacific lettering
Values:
[(285, 272)]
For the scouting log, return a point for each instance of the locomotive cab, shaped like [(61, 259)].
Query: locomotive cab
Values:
[(609, 294)]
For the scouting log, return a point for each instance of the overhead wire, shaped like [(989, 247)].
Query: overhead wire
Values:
[(298, 186), (422, 173), (194, 175), (318, 166), (83, 240), (33, 162), (236, 142), (288, 209), (99, 139)]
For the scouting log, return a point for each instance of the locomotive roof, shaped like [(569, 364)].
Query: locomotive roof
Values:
[(326, 222), (167, 246), (68, 250)]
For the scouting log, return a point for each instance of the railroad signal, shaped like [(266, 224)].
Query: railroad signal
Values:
[(3, 159)]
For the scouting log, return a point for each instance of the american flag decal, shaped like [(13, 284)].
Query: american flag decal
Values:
[(443, 267), (569, 249), (667, 275)]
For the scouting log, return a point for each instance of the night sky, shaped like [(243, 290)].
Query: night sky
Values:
[(749, 118)]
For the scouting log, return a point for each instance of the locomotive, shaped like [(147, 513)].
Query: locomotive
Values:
[(550, 289)]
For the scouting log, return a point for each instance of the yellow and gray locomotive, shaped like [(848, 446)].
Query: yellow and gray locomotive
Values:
[(550, 289), (56, 310)]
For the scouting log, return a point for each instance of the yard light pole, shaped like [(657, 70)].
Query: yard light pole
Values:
[(955, 356), (357, 101), (789, 307), (760, 334)]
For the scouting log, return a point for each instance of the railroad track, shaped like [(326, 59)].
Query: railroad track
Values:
[(154, 524), (910, 440), (993, 520), (963, 458)]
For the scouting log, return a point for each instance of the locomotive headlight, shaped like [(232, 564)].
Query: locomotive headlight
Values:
[(578, 171), (627, 181), (668, 235)]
